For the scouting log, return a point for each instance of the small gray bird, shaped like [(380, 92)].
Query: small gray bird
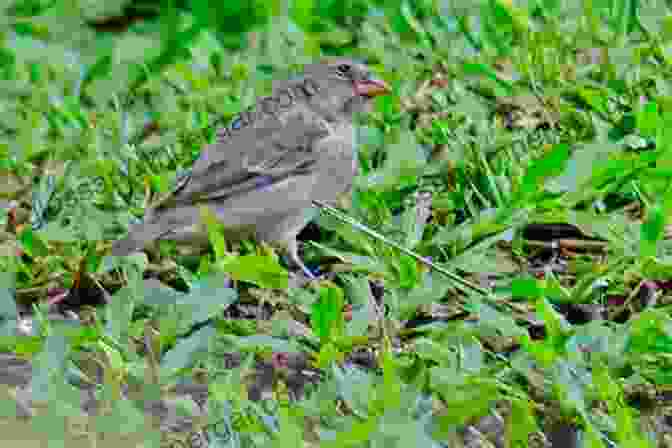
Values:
[(292, 147)]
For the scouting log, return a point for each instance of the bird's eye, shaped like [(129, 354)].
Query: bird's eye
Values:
[(343, 69)]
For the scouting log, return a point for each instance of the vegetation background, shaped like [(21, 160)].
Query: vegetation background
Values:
[(526, 148)]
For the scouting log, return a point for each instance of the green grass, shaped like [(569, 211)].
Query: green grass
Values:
[(501, 116)]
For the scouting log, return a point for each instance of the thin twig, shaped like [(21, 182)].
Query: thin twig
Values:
[(456, 278)]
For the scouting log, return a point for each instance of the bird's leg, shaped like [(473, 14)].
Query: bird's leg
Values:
[(293, 255)]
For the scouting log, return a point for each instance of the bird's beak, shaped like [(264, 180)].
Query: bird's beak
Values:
[(371, 87)]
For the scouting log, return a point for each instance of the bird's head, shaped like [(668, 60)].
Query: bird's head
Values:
[(341, 87)]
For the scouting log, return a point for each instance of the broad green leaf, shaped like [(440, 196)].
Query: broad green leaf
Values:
[(326, 316), (31, 243), (207, 298), (7, 302), (182, 354), (652, 231), (48, 363), (264, 271), (648, 119), (550, 164), (520, 424), (529, 288), (464, 399)]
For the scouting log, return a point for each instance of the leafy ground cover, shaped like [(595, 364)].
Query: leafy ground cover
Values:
[(524, 151)]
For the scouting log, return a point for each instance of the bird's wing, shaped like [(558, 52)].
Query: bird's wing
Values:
[(275, 147)]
